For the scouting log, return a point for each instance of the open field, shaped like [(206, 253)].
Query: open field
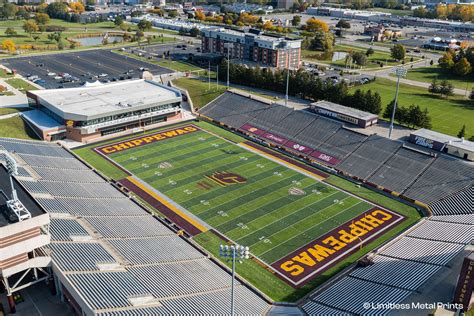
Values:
[(15, 127), (269, 207), (199, 90), (447, 115), (373, 61), (427, 74)]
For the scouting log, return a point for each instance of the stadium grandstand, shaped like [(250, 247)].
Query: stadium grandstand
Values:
[(109, 255), (413, 172)]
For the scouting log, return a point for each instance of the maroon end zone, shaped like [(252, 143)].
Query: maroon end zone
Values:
[(146, 139), (321, 254)]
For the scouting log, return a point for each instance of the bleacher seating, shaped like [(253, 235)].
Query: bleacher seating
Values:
[(269, 117), (342, 143), (447, 232), (317, 132), (293, 124), (366, 159), (459, 203), (400, 170), (63, 255), (62, 229)]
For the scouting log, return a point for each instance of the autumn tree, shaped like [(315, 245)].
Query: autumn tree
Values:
[(30, 27), (42, 18), (462, 67), (315, 25), (9, 46), (77, 7), (10, 32)]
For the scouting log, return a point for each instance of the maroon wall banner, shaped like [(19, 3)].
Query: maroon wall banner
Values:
[(298, 148), (324, 252), (324, 157), (252, 129), (146, 139), (465, 285)]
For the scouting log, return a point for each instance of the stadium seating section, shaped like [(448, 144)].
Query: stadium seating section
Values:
[(442, 182)]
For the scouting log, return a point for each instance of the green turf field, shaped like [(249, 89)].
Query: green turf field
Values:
[(277, 210), (260, 213)]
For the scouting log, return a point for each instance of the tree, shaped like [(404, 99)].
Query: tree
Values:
[(118, 20), (77, 7), (323, 41), (359, 58), (296, 20), (30, 27), (172, 14), (315, 25), (462, 132), (199, 15), (10, 32), (462, 67), (60, 44), (42, 18), (144, 25), (398, 52), (9, 46), (194, 32), (9, 10), (57, 10), (36, 37), (343, 24), (446, 61), (369, 52), (446, 88), (434, 87)]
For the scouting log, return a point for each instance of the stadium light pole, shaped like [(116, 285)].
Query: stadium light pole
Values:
[(399, 72), (209, 75), (287, 75), (228, 64), (232, 253)]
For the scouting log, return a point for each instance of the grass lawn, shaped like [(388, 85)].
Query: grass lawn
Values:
[(5, 111), (374, 60), (4, 74), (15, 127), (20, 84), (447, 115), (199, 90), (427, 74)]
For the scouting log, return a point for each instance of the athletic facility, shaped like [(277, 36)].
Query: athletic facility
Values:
[(293, 222)]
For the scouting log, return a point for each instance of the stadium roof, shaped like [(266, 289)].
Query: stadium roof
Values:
[(443, 138), (85, 103), (334, 107)]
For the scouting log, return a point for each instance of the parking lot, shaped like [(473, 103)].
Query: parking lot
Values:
[(74, 69), (174, 50)]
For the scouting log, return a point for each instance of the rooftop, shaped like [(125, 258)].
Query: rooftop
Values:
[(443, 138), (93, 102), (344, 110), (41, 120)]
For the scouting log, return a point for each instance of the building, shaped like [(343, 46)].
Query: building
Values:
[(267, 50), (24, 233), (379, 33), (344, 113), (455, 146), (444, 44), (86, 113), (285, 4)]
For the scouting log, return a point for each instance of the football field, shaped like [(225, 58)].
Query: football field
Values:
[(248, 198)]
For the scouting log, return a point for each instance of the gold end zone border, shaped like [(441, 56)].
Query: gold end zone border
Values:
[(303, 264)]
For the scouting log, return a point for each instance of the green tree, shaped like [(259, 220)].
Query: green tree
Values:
[(462, 67), (57, 10), (194, 32), (425, 119), (10, 32), (30, 27), (42, 18), (144, 25), (471, 96), (172, 14), (462, 132), (322, 41), (369, 52), (446, 88), (359, 58), (296, 20), (9, 10), (36, 37), (398, 52), (434, 87), (118, 20), (344, 24), (446, 62)]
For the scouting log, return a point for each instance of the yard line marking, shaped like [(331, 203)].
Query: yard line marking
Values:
[(317, 201), (319, 224)]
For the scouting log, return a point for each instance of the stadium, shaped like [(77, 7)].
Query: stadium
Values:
[(333, 217)]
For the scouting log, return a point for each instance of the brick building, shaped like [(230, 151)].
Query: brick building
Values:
[(263, 49)]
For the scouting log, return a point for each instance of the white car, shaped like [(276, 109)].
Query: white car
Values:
[(51, 74), (58, 77), (103, 75)]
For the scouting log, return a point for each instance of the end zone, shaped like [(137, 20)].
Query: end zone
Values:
[(316, 257)]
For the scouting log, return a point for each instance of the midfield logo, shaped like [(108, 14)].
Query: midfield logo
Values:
[(224, 178)]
